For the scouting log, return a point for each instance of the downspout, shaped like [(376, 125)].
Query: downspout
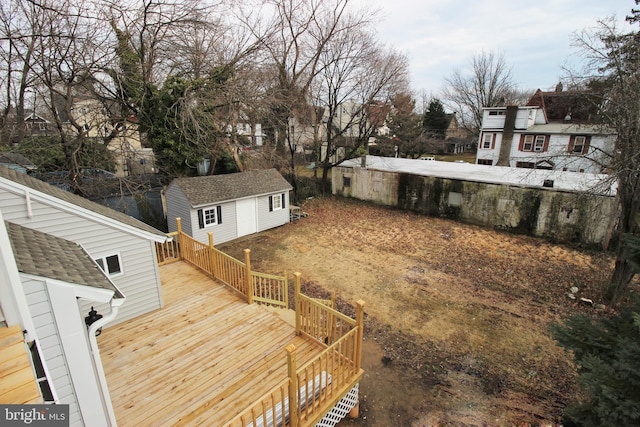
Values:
[(95, 351)]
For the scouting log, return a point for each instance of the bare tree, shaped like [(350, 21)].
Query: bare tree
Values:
[(19, 31), (488, 84), (612, 67), (356, 74)]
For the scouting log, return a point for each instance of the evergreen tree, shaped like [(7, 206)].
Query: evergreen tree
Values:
[(435, 121), (607, 353)]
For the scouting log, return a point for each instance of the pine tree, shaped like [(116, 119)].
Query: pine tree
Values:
[(607, 353), (435, 121)]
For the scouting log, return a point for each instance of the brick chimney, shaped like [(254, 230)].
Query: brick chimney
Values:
[(507, 135)]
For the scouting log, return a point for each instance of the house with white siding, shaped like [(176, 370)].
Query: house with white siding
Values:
[(229, 206), (43, 278), (122, 245), (555, 131)]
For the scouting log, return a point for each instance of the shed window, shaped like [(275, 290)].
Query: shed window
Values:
[(276, 202), (110, 264), (210, 216)]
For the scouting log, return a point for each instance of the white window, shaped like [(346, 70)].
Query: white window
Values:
[(209, 216), (277, 203), (578, 144), (528, 143), (110, 264), (487, 140), (533, 142)]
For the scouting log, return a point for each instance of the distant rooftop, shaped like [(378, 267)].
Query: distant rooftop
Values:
[(601, 184)]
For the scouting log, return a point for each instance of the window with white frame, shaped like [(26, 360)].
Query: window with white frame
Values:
[(276, 202), (487, 140), (533, 143), (209, 216), (110, 264), (578, 144)]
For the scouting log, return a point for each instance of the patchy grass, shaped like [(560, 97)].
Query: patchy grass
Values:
[(457, 315)]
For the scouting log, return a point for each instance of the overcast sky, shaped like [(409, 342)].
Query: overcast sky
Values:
[(440, 36)]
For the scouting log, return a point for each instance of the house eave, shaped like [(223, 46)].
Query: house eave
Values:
[(29, 192)]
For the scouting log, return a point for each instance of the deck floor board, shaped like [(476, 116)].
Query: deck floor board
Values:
[(206, 354)]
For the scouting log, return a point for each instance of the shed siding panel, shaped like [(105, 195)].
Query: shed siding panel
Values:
[(178, 207), (140, 282), (224, 232), (266, 219), (47, 333)]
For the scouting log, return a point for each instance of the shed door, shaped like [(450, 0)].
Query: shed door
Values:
[(246, 216)]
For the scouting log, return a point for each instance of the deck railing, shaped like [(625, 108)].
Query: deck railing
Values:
[(314, 388), (310, 391), (168, 251), (259, 287)]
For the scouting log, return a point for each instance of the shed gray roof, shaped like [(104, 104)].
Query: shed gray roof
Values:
[(203, 190), (48, 256), (43, 187)]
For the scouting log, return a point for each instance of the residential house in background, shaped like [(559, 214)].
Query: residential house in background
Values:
[(123, 246), (230, 206), (37, 125), (43, 279), (120, 134), (555, 130), (457, 139)]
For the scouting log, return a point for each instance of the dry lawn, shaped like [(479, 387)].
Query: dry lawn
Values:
[(457, 315)]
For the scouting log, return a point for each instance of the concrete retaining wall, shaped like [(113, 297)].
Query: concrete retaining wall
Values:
[(560, 216)]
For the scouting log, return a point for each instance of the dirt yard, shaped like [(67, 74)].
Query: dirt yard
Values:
[(457, 315)]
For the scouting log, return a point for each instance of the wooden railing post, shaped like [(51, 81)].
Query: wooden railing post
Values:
[(297, 302), (286, 290), (179, 230), (247, 273), (293, 385), (360, 324), (212, 256)]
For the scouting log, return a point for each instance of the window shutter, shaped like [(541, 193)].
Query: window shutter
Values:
[(200, 218), (283, 206), (493, 141), (521, 143), (545, 147), (270, 203), (585, 148), (571, 142), (219, 214)]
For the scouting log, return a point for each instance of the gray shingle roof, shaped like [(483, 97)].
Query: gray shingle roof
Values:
[(203, 190), (43, 187), (48, 256)]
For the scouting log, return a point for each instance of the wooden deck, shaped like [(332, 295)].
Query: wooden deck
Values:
[(201, 359), (18, 385)]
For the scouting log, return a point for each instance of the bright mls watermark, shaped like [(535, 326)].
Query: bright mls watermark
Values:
[(34, 415)]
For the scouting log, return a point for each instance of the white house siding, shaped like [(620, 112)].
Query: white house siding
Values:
[(178, 206), (49, 340), (140, 282), (266, 219), (558, 153), (227, 230)]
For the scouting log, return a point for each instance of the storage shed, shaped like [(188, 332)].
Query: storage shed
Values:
[(230, 206)]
